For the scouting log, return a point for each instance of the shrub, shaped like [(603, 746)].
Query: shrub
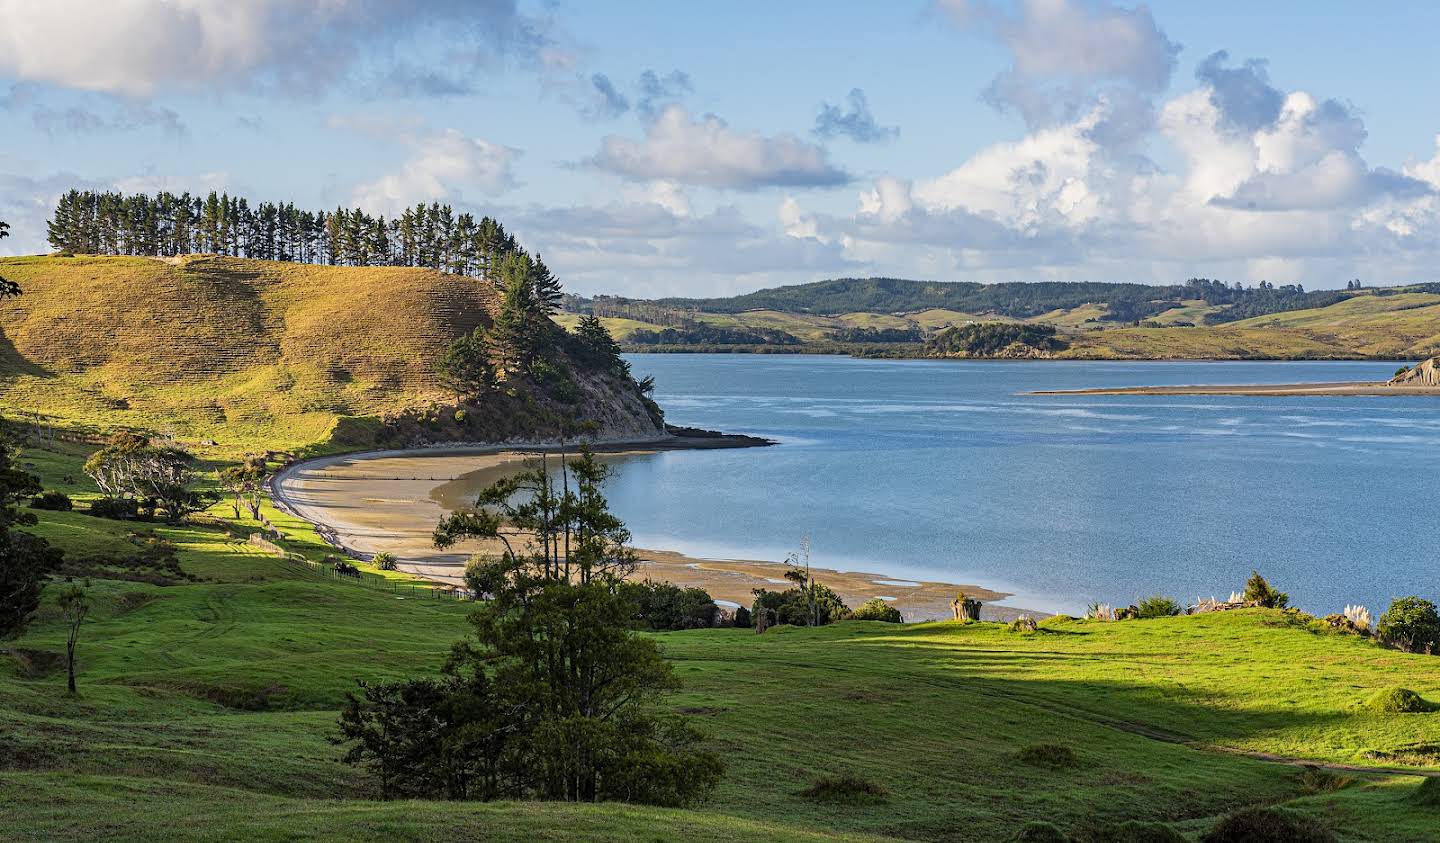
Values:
[(1040, 832), (1398, 701), (665, 606), (1257, 590), (52, 501), (1343, 625), (384, 561), (1267, 825), (847, 789), (743, 619), (1024, 623), (120, 509), (461, 416), (1053, 756), (1428, 793), (1157, 606), (1411, 624), (877, 610)]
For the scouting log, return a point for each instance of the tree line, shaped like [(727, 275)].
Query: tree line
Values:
[(167, 224)]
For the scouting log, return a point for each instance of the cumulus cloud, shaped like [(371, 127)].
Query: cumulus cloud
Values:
[(853, 120), (706, 151), (1063, 49), (442, 166), (139, 46)]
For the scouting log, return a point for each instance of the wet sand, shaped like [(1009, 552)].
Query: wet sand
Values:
[(1269, 389), (387, 501)]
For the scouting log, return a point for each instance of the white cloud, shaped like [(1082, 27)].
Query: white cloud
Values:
[(706, 151), (135, 47), (442, 166)]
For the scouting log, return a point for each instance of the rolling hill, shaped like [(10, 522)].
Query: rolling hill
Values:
[(230, 349)]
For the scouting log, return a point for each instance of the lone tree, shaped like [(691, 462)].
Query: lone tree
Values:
[(74, 606), (555, 697), (25, 560), (245, 483), (467, 367)]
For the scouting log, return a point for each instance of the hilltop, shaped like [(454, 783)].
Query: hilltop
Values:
[(897, 317), (242, 350)]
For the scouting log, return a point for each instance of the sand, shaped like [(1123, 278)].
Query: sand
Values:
[(385, 501), (1271, 389)]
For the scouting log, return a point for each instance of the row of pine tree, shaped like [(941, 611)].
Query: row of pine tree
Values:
[(167, 224)]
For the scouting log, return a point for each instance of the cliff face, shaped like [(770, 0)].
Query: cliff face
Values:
[(1424, 373)]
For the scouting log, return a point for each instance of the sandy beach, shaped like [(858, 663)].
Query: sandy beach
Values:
[(387, 501), (1275, 389)]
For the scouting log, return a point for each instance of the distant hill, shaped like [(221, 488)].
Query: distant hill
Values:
[(898, 295), (233, 349)]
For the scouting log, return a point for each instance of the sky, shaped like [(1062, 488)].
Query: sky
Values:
[(660, 148)]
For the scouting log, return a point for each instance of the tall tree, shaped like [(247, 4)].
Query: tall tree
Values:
[(74, 606), (25, 560)]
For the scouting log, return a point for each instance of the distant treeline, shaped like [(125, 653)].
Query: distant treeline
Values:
[(702, 334), (1124, 302), (988, 339), (167, 224)]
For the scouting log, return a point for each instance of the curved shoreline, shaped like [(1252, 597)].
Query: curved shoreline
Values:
[(381, 500)]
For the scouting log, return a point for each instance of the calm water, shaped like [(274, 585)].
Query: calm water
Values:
[(941, 470)]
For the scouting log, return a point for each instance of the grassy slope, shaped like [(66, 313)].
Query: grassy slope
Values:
[(224, 348), (160, 740)]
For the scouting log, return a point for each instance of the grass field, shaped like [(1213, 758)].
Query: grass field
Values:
[(205, 709)]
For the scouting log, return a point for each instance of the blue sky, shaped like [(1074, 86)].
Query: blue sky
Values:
[(660, 148)]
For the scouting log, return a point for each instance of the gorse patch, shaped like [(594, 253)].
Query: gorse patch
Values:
[(847, 788)]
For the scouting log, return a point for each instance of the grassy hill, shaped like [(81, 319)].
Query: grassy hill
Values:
[(226, 348), (206, 705)]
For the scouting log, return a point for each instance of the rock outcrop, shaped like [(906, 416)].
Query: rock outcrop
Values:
[(1424, 373)]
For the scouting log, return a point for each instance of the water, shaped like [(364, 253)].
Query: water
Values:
[(944, 471)]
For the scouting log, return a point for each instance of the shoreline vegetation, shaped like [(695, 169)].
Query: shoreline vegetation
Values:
[(389, 501)]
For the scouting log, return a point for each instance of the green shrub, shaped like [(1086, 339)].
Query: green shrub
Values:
[(662, 606), (1040, 832), (1412, 624), (1267, 825), (743, 619), (52, 501), (877, 610), (1157, 606), (1428, 793), (120, 509), (384, 561), (1024, 623), (1398, 701), (1257, 590), (846, 789), (1053, 756), (461, 416)]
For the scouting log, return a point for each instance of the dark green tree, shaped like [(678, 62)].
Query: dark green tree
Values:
[(467, 367), (25, 560), (74, 606), (555, 698)]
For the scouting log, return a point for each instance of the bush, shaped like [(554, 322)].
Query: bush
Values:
[(1157, 606), (1267, 825), (1411, 624), (1040, 832), (663, 606), (1323, 781), (1053, 756), (877, 610), (384, 561), (1024, 623), (789, 606), (120, 509), (1398, 701), (1257, 590), (461, 416), (52, 501), (743, 619), (848, 789)]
